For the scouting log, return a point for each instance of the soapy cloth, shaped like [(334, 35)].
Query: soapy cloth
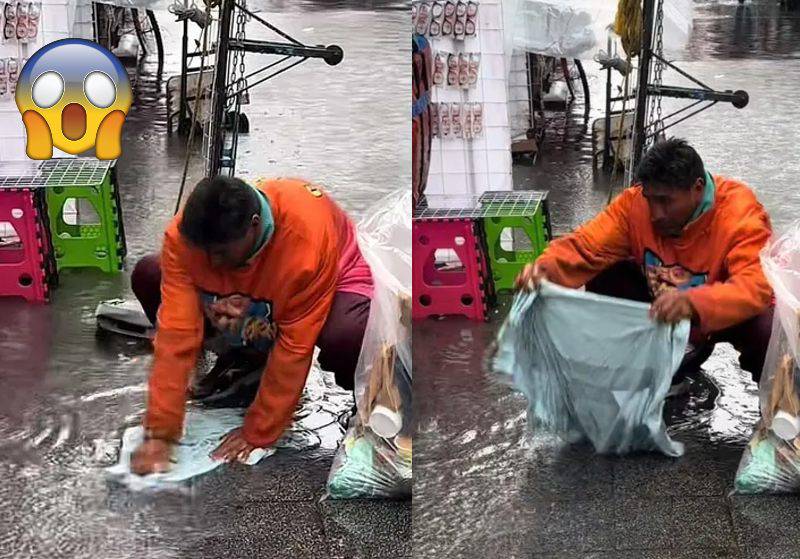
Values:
[(592, 367), (191, 456)]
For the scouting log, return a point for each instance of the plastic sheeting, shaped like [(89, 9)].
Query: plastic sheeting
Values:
[(771, 461), (375, 459), (579, 28), (592, 367)]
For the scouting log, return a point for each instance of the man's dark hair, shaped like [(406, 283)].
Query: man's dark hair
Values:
[(672, 163), (218, 211)]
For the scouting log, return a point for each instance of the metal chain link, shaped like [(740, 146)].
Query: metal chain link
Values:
[(237, 62), (655, 120)]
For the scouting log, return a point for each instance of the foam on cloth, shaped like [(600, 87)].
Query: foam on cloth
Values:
[(191, 456)]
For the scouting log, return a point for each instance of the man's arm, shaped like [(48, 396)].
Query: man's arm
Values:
[(573, 260), (290, 359), (746, 292), (178, 340)]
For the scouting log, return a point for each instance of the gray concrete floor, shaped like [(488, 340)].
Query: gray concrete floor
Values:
[(485, 487)]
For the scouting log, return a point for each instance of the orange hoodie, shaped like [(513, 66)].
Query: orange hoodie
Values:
[(292, 280), (716, 258)]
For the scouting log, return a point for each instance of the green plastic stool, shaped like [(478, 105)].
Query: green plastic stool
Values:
[(87, 245), (527, 212)]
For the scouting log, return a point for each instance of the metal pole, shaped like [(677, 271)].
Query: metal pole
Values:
[(644, 75), (607, 135), (184, 70), (220, 88)]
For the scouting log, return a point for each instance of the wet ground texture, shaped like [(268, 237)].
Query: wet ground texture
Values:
[(66, 393), (484, 487)]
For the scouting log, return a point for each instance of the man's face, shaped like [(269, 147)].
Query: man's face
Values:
[(235, 253), (670, 207)]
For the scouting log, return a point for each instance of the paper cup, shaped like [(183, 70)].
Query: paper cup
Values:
[(785, 425), (384, 422)]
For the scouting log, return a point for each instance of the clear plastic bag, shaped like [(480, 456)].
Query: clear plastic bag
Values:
[(592, 367), (771, 461), (375, 459), (579, 28)]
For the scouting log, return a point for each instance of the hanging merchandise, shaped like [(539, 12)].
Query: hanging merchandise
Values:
[(22, 22), (444, 122), (375, 460), (3, 78), (34, 15), (438, 68), (10, 20), (771, 461), (457, 20), (13, 75)]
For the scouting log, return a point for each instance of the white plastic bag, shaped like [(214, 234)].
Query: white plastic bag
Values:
[(375, 458), (771, 461), (579, 28)]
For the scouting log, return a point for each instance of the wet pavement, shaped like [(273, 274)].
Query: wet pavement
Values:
[(484, 487), (66, 393)]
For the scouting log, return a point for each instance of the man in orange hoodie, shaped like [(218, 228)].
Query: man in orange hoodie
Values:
[(277, 267), (685, 240)]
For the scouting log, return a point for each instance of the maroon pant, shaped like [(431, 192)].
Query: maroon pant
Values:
[(750, 338), (340, 338)]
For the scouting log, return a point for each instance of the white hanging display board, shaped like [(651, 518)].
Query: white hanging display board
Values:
[(58, 19), (480, 160)]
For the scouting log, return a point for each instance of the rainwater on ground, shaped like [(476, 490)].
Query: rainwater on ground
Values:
[(484, 487), (67, 392)]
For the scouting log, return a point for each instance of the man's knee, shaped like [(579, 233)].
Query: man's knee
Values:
[(341, 337)]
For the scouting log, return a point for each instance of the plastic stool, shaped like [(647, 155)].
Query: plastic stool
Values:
[(506, 265), (23, 265), (441, 292), (77, 245)]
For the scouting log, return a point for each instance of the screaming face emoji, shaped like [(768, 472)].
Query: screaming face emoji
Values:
[(74, 95)]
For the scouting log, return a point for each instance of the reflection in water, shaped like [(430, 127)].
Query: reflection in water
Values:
[(477, 466), (66, 394)]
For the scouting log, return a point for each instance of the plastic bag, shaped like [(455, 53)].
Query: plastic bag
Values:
[(579, 28), (771, 461), (592, 367), (375, 458)]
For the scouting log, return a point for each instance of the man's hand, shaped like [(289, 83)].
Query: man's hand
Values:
[(233, 447), (531, 277), (152, 456), (672, 306)]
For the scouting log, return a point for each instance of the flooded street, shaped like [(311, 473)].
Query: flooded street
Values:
[(66, 393), (484, 487)]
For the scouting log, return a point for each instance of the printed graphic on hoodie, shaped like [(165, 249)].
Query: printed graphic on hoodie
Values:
[(258, 329), (661, 277)]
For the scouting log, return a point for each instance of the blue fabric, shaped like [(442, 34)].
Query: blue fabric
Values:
[(419, 106), (592, 367), (191, 456), (708, 198)]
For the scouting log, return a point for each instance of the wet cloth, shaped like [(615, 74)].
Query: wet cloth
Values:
[(716, 257), (592, 367), (191, 456)]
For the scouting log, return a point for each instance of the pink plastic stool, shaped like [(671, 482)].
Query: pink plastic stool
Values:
[(22, 264), (443, 291)]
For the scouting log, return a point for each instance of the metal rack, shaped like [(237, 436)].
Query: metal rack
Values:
[(228, 91), (54, 173), (487, 205)]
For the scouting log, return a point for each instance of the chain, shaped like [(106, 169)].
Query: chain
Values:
[(655, 119), (237, 62)]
